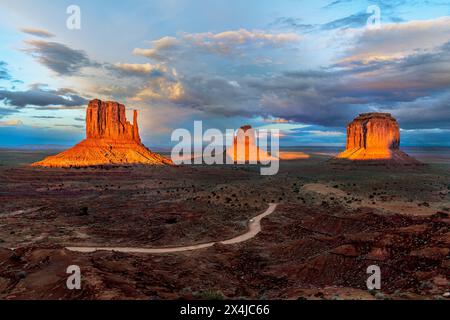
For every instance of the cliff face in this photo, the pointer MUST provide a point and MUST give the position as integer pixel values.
(107, 120)
(110, 140)
(373, 131)
(374, 136)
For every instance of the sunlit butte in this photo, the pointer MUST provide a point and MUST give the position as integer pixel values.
(374, 136)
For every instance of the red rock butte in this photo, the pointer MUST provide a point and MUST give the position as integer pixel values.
(375, 137)
(244, 148)
(110, 140)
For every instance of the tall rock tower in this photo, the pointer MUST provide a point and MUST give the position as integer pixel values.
(245, 149)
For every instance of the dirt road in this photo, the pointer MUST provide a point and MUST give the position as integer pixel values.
(254, 227)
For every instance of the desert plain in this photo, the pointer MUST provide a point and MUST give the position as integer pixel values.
(332, 222)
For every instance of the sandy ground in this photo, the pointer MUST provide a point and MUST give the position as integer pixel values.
(393, 206)
(292, 155)
(330, 225)
(254, 227)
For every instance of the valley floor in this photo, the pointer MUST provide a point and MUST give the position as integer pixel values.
(332, 222)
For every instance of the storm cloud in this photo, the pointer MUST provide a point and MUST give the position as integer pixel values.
(58, 57)
(331, 96)
(40, 97)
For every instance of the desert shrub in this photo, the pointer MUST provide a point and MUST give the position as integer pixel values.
(210, 295)
(84, 211)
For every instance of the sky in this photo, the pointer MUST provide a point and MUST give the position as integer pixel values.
(304, 67)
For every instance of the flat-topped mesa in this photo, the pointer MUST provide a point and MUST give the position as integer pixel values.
(110, 140)
(375, 132)
(107, 120)
(374, 136)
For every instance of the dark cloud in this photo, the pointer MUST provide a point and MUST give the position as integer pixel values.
(218, 96)
(312, 100)
(333, 96)
(40, 97)
(356, 20)
(336, 3)
(6, 112)
(425, 112)
(353, 21)
(69, 126)
(294, 23)
(59, 57)
(46, 117)
(4, 73)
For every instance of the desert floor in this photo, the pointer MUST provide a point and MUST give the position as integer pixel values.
(332, 222)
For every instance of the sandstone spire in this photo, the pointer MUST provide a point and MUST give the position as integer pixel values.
(245, 149)
(136, 136)
(110, 139)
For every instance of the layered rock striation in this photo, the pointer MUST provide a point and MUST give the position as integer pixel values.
(375, 137)
(110, 140)
(107, 120)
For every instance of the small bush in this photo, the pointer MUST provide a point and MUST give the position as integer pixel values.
(210, 295)
(84, 211)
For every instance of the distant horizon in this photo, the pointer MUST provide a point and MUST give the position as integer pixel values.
(168, 148)
(306, 69)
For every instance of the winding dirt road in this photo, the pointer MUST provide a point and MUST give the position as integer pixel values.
(254, 227)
